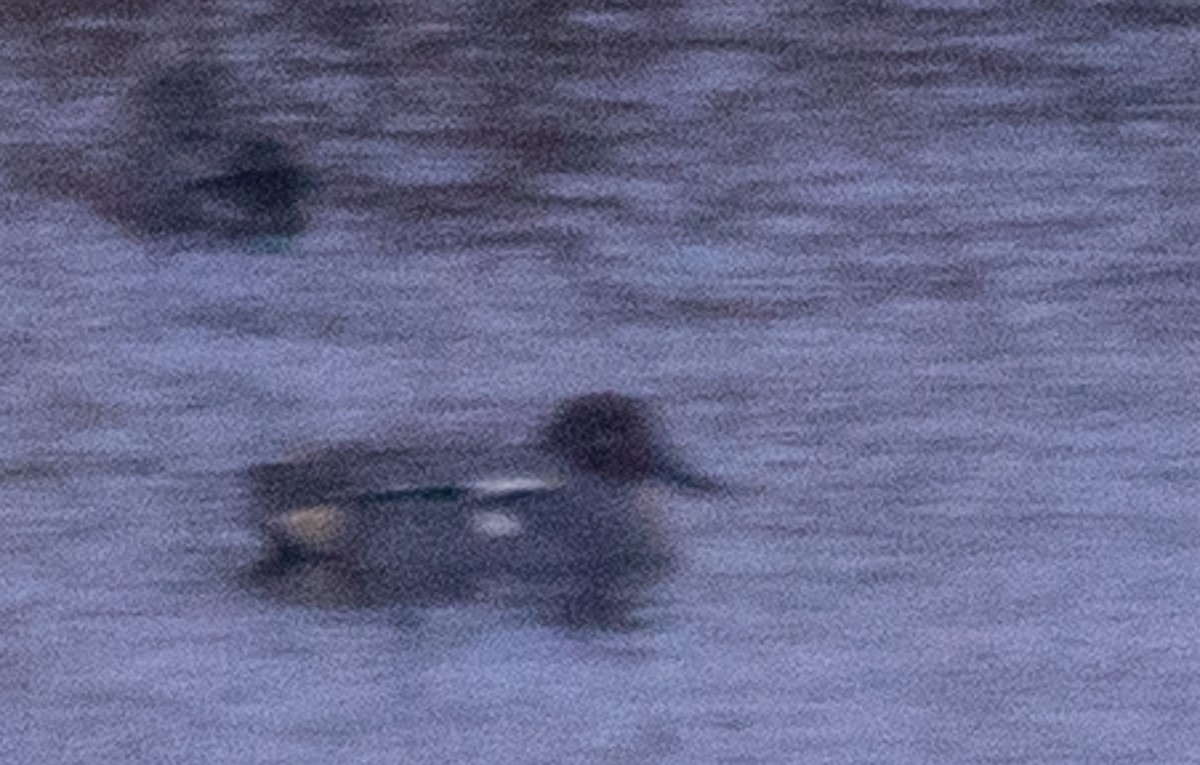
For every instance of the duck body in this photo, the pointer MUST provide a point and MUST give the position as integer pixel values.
(577, 504)
(510, 512)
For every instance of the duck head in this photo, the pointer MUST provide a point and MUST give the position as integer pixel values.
(617, 438)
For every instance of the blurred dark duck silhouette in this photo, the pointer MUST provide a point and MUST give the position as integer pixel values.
(199, 170)
(259, 194)
(183, 163)
(574, 509)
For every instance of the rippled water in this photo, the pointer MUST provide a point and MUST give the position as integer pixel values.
(916, 278)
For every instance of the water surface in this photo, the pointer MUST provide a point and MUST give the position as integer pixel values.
(916, 277)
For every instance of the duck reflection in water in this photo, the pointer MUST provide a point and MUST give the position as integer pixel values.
(567, 524)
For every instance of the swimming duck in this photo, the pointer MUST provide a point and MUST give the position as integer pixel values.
(576, 502)
(259, 193)
(196, 167)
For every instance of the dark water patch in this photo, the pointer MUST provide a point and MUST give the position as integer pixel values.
(1147, 278)
(626, 303)
(878, 282)
(39, 14)
(262, 318)
(1129, 14)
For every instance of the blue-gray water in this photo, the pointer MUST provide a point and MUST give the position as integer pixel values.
(917, 278)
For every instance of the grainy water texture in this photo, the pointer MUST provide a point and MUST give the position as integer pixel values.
(917, 279)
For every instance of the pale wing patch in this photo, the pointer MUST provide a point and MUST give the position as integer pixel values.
(319, 527)
(495, 525)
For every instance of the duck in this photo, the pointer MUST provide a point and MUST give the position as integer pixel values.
(576, 503)
(197, 168)
(259, 193)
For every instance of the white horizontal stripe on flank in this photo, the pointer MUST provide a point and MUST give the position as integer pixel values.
(493, 487)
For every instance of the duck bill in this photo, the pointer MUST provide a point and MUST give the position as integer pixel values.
(677, 473)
